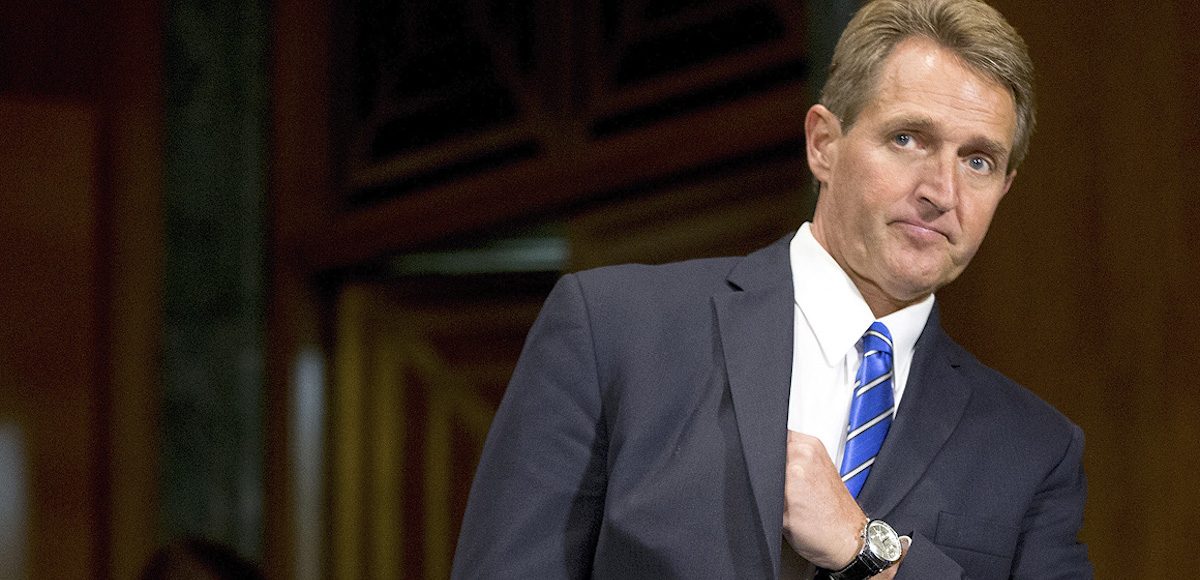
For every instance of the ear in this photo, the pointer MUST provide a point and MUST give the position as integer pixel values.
(1008, 181)
(821, 131)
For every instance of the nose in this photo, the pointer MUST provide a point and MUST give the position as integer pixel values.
(939, 188)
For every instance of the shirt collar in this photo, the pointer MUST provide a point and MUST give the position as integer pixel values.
(834, 308)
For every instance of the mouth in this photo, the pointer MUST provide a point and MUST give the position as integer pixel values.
(922, 231)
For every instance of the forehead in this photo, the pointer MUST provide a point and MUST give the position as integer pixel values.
(923, 79)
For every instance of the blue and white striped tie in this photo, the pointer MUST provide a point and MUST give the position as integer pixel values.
(871, 410)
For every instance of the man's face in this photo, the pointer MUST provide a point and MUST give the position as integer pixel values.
(908, 192)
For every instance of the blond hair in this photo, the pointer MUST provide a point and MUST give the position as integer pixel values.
(974, 31)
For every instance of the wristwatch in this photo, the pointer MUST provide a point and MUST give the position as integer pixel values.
(881, 550)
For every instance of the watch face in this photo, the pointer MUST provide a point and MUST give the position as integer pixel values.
(883, 541)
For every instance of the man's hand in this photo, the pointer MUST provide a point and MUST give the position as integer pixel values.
(821, 520)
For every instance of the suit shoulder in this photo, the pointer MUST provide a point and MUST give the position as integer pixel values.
(700, 277)
(716, 268)
(636, 300)
(1012, 403)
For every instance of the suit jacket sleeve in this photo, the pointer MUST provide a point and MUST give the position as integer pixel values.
(1048, 547)
(538, 494)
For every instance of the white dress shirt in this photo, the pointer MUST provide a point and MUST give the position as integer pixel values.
(831, 317)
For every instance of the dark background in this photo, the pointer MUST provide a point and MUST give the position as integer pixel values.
(266, 266)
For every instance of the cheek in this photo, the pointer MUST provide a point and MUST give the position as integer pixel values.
(978, 213)
(888, 181)
(975, 220)
(875, 185)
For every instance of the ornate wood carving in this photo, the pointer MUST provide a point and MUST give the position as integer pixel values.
(459, 115)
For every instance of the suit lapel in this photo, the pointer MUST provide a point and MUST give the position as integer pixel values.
(755, 327)
(755, 323)
(933, 405)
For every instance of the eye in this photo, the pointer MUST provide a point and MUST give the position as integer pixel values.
(903, 139)
(980, 164)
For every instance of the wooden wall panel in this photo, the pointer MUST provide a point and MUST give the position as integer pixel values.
(1084, 290)
(732, 212)
(1079, 291)
(100, 59)
(418, 374)
(48, 330)
(131, 262)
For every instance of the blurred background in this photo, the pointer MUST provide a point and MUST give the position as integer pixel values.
(265, 267)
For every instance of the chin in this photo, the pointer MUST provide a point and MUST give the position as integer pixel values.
(922, 274)
(915, 289)
(914, 295)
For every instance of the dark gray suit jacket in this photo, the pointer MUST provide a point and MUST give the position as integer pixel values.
(643, 435)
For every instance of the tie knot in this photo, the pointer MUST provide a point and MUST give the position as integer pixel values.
(877, 339)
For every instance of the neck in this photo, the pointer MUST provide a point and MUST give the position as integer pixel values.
(881, 302)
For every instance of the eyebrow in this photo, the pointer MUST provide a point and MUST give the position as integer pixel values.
(922, 124)
(919, 124)
(991, 147)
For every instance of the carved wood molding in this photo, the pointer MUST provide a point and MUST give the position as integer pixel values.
(455, 116)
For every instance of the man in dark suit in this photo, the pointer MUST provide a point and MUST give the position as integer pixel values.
(723, 418)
